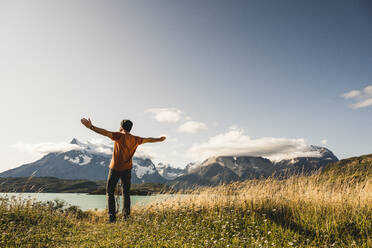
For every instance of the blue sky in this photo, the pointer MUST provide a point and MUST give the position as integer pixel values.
(253, 76)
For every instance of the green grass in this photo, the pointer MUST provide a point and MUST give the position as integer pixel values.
(228, 226)
(31, 224)
(296, 212)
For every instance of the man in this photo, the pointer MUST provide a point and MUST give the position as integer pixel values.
(121, 163)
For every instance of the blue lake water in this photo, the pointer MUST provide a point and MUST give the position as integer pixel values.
(85, 201)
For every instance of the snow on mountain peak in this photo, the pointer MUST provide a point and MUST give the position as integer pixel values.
(169, 172)
(143, 170)
(93, 146)
(81, 159)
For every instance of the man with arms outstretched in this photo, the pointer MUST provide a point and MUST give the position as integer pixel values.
(121, 163)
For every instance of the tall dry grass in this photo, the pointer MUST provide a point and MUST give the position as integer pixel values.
(315, 190)
(321, 208)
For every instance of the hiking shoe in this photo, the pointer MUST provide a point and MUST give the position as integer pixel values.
(112, 219)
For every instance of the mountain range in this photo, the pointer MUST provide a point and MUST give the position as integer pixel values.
(86, 161)
(225, 169)
(90, 161)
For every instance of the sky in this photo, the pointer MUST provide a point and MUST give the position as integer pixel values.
(265, 78)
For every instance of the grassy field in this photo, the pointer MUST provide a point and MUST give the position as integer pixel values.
(316, 211)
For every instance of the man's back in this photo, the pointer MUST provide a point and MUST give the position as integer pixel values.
(124, 148)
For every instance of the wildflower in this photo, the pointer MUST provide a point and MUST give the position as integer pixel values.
(290, 243)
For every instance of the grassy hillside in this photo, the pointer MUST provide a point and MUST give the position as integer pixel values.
(356, 168)
(296, 212)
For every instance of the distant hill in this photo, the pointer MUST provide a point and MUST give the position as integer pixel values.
(47, 185)
(354, 168)
(56, 185)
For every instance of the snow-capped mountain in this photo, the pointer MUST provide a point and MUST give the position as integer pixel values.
(225, 169)
(306, 164)
(190, 167)
(85, 160)
(169, 172)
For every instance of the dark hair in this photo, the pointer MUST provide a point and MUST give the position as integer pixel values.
(126, 125)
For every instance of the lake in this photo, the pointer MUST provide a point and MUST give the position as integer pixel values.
(85, 201)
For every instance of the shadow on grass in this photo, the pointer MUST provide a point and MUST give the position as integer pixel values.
(285, 217)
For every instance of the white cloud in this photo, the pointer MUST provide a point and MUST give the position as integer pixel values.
(169, 138)
(192, 127)
(174, 153)
(45, 147)
(235, 143)
(351, 94)
(166, 114)
(153, 153)
(178, 145)
(146, 152)
(234, 127)
(368, 90)
(324, 142)
(98, 145)
(93, 145)
(362, 104)
(362, 98)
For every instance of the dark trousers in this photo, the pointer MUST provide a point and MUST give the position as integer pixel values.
(112, 180)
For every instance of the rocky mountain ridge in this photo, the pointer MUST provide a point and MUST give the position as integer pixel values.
(85, 161)
(226, 169)
(90, 161)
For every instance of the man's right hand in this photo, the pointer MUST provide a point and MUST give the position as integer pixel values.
(162, 138)
(87, 123)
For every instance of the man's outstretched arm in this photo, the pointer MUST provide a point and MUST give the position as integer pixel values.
(152, 140)
(88, 124)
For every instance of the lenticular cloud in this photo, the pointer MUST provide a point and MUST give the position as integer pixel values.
(43, 148)
(235, 143)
